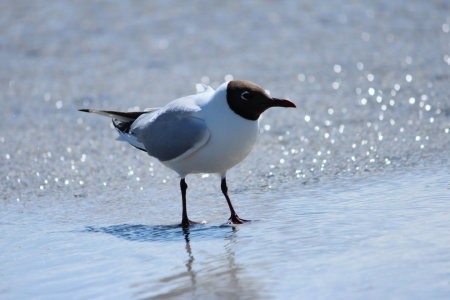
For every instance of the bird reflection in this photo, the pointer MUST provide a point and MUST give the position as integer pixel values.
(228, 249)
(211, 273)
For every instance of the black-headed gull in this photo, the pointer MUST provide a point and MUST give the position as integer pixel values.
(209, 132)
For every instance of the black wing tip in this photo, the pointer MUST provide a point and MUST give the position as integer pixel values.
(85, 110)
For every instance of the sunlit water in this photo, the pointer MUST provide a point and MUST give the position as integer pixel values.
(383, 237)
(349, 192)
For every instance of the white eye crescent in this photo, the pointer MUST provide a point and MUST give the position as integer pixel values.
(244, 95)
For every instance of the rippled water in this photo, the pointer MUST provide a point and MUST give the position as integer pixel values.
(386, 236)
(349, 191)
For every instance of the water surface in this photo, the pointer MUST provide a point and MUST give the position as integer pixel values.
(385, 236)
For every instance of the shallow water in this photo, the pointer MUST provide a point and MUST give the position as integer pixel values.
(382, 237)
(349, 191)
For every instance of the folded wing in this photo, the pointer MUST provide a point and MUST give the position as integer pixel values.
(171, 135)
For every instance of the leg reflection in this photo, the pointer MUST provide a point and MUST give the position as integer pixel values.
(190, 261)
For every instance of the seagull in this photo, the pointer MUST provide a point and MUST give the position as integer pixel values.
(208, 132)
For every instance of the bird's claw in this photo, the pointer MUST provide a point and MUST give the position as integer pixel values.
(236, 220)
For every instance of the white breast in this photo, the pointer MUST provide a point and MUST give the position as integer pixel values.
(232, 138)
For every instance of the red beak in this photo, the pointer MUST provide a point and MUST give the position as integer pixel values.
(282, 103)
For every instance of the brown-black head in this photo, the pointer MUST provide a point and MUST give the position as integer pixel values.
(249, 100)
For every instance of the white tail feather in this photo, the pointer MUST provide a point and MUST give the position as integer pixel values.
(131, 139)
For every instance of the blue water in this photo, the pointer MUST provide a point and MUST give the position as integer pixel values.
(385, 236)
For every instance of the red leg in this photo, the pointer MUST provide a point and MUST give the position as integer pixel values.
(234, 218)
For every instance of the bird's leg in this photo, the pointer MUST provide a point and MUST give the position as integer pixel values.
(185, 220)
(234, 218)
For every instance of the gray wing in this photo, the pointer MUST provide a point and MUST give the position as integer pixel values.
(173, 135)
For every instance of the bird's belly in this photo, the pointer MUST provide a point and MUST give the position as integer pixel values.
(228, 145)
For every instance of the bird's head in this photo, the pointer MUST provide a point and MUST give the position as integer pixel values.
(249, 100)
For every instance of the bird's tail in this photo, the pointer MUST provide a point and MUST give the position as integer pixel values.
(119, 115)
(121, 120)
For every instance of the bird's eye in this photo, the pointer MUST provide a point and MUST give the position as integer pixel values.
(246, 95)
